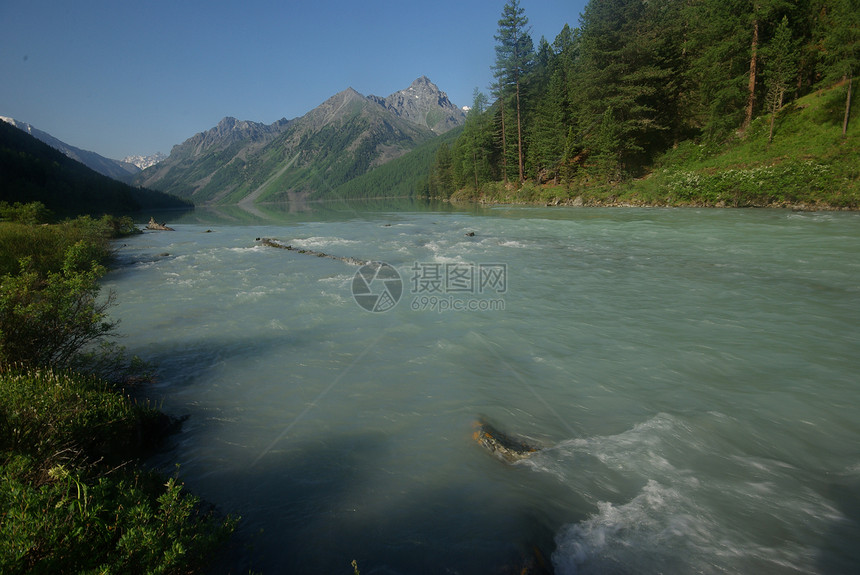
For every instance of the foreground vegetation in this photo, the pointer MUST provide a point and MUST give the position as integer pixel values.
(702, 102)
(72, 499)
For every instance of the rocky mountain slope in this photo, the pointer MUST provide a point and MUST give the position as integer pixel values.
(425, 104)
(115, 169)
(344, 137)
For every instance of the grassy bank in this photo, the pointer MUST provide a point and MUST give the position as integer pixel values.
(808, 165)
(72, 498)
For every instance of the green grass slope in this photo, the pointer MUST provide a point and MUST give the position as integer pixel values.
(808, 163)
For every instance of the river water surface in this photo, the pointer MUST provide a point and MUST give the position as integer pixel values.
(692, 375)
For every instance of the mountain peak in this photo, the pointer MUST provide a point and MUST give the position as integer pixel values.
(227, 123)
(425, 104)
(423, 81)
(342, 138)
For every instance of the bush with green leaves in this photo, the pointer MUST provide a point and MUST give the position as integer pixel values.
(51, 311)
(30, 213)
(48, 320)
(118, 523)
(70, 504)
(46, 245)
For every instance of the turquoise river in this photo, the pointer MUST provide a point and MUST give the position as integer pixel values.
(691, 376)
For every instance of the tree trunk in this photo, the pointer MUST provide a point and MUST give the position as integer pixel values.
(475, 163)
(753, 62)
(776, 106)
(847, 107)
(504, 145)
(519, 134)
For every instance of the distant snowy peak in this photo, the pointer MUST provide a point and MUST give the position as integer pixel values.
(8, 120)
(144, 162)
(20, 125)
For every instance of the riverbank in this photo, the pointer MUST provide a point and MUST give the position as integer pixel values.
(71, 436)
(615, 202)
(807, 166)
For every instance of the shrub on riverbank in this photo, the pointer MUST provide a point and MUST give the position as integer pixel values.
(50, 310)
(46, 245)
(71, 500)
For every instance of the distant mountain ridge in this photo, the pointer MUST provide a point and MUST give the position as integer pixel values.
(31, 170)
(341, 139)
(116, 169)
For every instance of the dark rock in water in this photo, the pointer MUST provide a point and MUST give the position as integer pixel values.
(153, 225)
(164, 255)
(471, 234)
(503, 446)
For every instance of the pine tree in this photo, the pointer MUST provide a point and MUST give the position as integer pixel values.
(624, 65)
(781, 67)
(753, 70)
(725, 40)
(763, 11)
(551, 118)
(719, 62)
(605, 147)
(546, 146)
(514, 53)
(840, 37)
(442, 177)
(498, 92)
(473, 148)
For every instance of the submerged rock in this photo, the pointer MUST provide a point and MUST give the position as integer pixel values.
(503, 446)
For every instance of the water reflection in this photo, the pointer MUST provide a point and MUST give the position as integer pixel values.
(306, 211)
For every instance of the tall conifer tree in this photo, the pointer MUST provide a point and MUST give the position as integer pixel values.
(780, 68)
(514, 54)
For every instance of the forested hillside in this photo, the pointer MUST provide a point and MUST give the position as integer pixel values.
(406, 176)
(603, 103)
(32, 171)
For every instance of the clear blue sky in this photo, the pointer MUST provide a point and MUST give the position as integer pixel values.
(126, 77)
